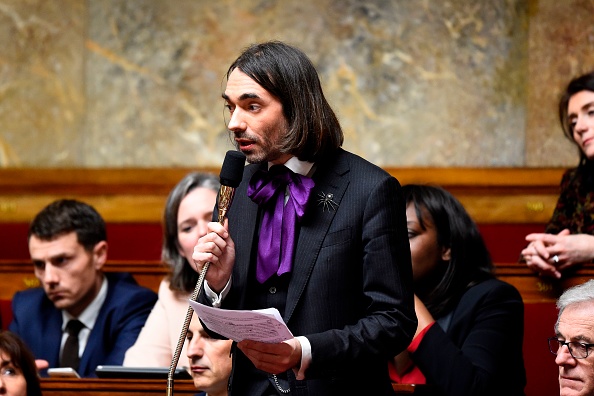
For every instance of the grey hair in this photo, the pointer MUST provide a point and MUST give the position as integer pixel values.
(575, 295)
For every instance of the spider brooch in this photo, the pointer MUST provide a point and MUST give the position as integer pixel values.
(326, 201)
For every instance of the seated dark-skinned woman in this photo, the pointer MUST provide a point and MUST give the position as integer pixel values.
(469, 337)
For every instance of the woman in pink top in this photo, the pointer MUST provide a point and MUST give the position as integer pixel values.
(188, 210)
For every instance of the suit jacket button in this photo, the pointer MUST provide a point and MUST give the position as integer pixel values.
(272, 290)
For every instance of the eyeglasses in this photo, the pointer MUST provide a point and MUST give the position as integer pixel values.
(578, 350)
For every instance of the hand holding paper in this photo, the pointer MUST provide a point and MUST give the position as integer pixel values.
(264, 325)
(273, 358)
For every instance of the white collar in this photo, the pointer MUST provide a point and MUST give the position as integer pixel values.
(88, 317)
(301, 167)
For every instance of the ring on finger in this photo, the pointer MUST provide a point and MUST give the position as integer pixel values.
(555, 259)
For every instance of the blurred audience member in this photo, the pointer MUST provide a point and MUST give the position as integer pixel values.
(188, 209)
(469, 337)
(574, 341)
(568, 239)
(18, 373)
(80, 317)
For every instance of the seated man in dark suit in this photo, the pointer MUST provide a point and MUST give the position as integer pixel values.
(80, 317)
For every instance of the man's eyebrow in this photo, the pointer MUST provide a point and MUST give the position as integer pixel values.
(243, 96)
(59, 256)
(584, 339)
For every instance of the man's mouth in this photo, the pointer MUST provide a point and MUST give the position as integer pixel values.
(244, 144)
(198, 369)
(55, 295)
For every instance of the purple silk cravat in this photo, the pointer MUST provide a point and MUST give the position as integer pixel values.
(276, 245)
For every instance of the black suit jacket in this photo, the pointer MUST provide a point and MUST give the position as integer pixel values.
(350, 291)
(480, 352)
(39, 323)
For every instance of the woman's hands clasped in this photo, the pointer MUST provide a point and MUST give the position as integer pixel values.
(550, 254)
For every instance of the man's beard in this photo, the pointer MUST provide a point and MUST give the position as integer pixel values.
(265, 151)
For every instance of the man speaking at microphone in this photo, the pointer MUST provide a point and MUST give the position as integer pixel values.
(314, 231)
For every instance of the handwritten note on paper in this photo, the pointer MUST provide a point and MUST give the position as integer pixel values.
(265, 325)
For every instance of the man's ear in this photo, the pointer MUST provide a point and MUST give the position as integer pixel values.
(100, 254)
(446, 254)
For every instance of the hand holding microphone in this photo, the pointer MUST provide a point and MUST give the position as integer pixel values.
(210, 247)
(216, 251)
(230, 177)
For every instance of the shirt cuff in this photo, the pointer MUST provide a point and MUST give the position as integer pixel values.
(216, 299)
(305, 357)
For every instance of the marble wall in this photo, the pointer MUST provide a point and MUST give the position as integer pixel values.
(137, 83)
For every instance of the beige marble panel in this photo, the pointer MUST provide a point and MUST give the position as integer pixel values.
(42, 101)
(431, 83)
(414, 83)
(116, 83)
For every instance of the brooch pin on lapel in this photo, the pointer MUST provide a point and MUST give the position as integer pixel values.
(325, 200)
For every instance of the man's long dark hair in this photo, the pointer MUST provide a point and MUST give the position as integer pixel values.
(470, 262)
(288, 74)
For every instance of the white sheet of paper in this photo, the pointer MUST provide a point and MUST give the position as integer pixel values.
(265, 325)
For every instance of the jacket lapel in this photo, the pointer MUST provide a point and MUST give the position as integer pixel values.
(53, 340)
(330, 178)
(244, 213)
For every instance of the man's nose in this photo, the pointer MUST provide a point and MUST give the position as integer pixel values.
(236, 122)
(50, 274)
(195, 348)
(564, 356)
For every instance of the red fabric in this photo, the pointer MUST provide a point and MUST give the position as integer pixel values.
(5, 314)
(142, 241)
(417, 340)
(127, 241)
(413, 374)
(506, 241)
(542, 374)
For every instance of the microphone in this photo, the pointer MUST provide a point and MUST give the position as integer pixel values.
(230, 177)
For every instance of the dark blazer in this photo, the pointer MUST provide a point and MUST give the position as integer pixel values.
(350, 291)
(480, 353)
(127, 305)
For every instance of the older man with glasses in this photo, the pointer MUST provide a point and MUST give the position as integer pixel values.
(574, 342)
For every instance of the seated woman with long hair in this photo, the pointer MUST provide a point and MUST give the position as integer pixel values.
(188, 210)
(469, 337)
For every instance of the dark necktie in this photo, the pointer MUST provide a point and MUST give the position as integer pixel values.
(70, 356)
(276, 245)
